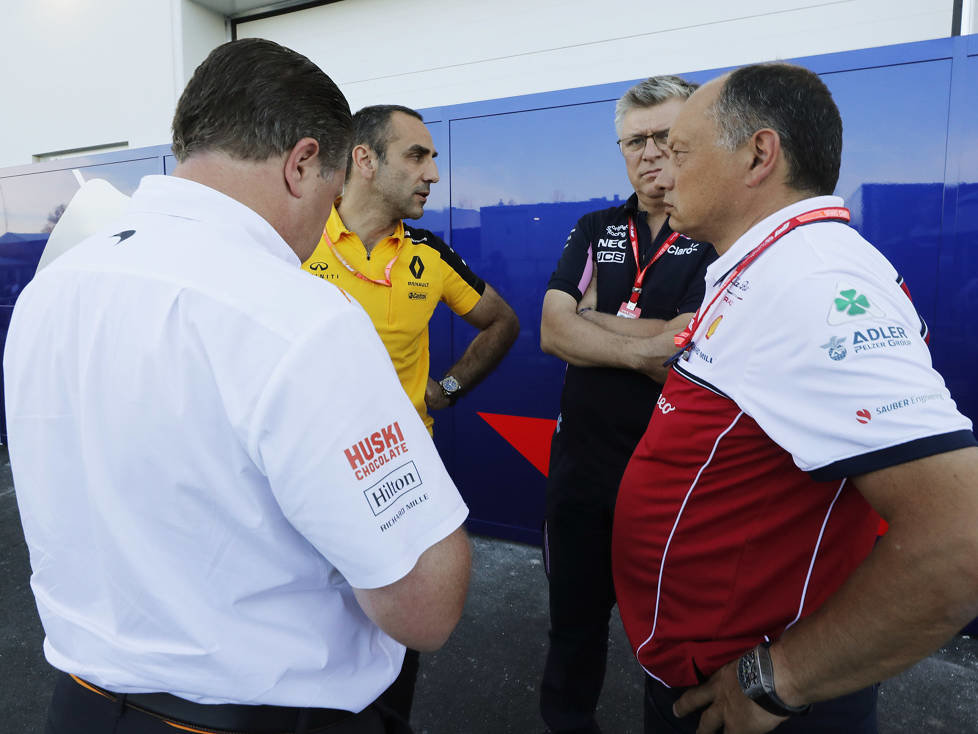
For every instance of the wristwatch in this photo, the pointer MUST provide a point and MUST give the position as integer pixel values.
(451, 389)
(755, 672)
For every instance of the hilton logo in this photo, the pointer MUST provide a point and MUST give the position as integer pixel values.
(382, 495)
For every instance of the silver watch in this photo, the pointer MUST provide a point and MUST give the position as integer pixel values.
(451, 389)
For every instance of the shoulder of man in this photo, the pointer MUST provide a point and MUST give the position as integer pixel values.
(417, 237)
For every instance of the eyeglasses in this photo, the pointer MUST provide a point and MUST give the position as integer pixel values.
(635, 144)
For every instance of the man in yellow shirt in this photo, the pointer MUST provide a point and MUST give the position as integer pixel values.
(399, 274)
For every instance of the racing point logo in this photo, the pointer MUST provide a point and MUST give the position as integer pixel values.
(863, 416)
(416, 267)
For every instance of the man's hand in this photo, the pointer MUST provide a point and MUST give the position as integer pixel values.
(727, 709)
(434, 396)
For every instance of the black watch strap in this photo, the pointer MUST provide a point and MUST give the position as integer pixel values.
(755, 672)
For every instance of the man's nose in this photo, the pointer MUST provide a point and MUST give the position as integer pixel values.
(431, 172)
(665, 180)
(651, 150)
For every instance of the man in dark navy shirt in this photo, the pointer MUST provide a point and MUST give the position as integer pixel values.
(625, 284)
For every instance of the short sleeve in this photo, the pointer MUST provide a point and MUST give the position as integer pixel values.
(461, 288)
(347, 457)
(575, 266)
(848, 387)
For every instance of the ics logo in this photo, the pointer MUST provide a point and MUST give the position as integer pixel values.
(863, 416)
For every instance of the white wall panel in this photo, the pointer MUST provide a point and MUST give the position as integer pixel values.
(429, 53)
(81, 73)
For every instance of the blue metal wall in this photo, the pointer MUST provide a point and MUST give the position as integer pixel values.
(516, 174)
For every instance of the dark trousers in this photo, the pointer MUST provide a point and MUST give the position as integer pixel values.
(852, 714)
(577, 557)
(400, 696)
(77, 710)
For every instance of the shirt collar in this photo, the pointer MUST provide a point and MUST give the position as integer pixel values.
(756, 234)
(336, 230)
(181, 197)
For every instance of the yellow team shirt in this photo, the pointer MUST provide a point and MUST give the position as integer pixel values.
(423, 271)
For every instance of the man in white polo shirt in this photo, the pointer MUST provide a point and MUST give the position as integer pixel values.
(207, 553)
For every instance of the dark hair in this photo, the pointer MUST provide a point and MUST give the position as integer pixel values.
(254, 99)
(797, 105)
(371, 126)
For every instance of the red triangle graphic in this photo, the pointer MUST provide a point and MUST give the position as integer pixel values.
(530, 436)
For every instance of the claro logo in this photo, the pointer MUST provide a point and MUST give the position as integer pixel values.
(664, 405)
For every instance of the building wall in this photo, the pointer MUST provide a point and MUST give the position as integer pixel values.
(84, 73)
(78, 74)
(429, 53)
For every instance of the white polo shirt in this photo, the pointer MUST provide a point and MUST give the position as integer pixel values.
(209, 447)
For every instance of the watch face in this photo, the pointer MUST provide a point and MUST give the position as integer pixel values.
(747, 673)
(450, 384)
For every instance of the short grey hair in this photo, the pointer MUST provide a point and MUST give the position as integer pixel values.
(654, 90)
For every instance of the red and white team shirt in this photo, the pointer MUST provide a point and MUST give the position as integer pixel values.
(735, 517)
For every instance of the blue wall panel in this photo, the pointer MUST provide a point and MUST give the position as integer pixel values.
(516, 173)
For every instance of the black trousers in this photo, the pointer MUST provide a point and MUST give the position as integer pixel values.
(851, 714)
(399, 698)
(77, 710)
(577, 558)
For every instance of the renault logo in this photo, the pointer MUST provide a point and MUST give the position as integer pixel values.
(417, 267)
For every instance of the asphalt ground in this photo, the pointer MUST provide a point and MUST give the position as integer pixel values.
(485, 680)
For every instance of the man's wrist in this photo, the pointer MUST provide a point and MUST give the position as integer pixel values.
(755, 673)
(451, 388)
(786, 687)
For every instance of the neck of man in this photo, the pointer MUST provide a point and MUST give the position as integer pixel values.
(655, 212)
(759, 207)
(362, 215)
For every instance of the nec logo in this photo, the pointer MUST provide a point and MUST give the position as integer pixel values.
(605, 242)
(318, 266)
(611, 257)
(664, 405)
(416, 267)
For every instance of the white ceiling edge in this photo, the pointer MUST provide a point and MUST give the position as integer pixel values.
(240, 9)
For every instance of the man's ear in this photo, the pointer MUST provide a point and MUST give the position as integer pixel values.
(301, 165)
(364, 161)
(764, 149)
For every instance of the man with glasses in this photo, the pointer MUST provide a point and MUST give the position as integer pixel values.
(624, 286)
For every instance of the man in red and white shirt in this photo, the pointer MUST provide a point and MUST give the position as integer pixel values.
(802, 404)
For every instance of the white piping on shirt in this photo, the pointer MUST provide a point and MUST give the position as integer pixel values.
(818, 543)
(662, 563)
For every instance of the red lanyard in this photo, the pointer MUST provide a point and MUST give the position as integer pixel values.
(376, 281)
(640, 272)
(684, 339)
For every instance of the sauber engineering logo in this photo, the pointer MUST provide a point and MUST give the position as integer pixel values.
(863, 416)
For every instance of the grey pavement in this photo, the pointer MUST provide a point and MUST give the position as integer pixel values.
(485, 680)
